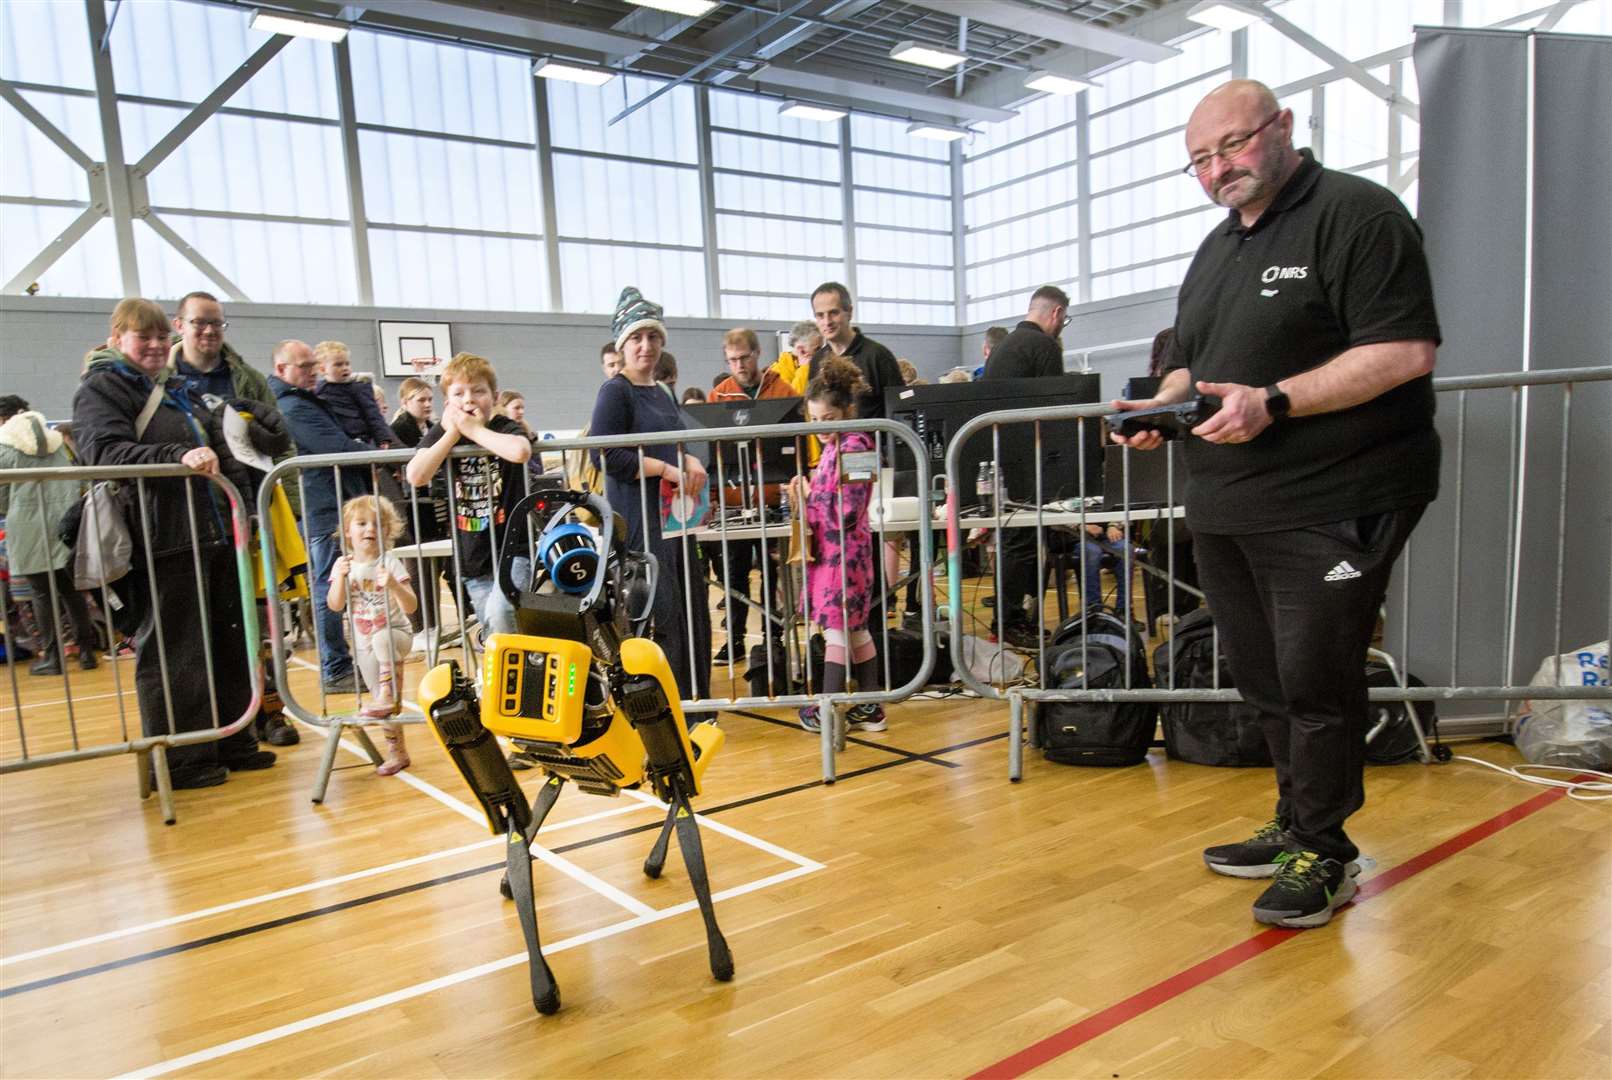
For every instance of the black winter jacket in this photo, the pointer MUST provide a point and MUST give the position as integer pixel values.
(105, 406)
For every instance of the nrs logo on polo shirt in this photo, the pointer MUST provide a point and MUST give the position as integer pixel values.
(1284, 273)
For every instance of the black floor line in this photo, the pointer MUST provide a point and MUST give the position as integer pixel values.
(896, 750)
(446, 879)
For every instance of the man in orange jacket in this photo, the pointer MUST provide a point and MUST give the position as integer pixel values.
(745, 382)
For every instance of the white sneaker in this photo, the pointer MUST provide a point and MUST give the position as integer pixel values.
(424, 642)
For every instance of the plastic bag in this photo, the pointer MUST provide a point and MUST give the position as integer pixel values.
(987, 662)
(1571, 733)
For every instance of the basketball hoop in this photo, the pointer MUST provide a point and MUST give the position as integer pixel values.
(426, 367)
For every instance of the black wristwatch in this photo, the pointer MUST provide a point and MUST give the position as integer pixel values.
(1276, 402)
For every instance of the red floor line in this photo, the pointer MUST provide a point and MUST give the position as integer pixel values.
(1099, 1023)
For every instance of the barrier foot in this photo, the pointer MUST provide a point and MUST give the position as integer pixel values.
(827, 728)
(1015, 737)
(165, 784)
(142, 772)
(365, 744)
(327, 761)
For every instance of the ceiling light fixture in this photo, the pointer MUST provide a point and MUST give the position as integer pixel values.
(933, 56)
(1062, 85)
(298, 26)
(802, 110)
(694, 9)
(546, 68)
(1223, 15)
(921, 130)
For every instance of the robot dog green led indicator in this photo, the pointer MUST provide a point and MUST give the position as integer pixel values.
(593, 701)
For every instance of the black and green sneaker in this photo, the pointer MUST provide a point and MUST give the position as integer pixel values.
(1306, 891)
(1256, 857)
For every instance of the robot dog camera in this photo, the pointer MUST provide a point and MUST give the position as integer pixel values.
(570, 556)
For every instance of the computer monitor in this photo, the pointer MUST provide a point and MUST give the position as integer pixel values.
(778, 456)
(936, 413)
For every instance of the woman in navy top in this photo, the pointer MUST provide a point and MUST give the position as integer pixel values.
(634, 403)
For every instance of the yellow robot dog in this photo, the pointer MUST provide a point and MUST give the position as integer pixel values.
(580, 690)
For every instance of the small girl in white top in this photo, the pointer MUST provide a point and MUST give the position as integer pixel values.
(377, 587)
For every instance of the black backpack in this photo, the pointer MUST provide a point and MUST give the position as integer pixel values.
(1092, 651)
(1226, 733)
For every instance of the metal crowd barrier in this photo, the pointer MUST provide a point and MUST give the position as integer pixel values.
(752, 518)
(1449, 511)
(36, 747)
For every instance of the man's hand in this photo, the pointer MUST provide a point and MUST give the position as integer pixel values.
(1242, 414)
(201, 459)
(470, 419)
(1142, 440)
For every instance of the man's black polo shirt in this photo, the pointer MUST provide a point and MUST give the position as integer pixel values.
(1029, 352)
(1335, 262)
(879, 371)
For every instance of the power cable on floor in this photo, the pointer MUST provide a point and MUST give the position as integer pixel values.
(1583, 790)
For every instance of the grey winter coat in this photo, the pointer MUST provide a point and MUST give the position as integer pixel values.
(32, 508)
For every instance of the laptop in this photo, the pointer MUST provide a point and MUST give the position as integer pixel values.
(1149, 479)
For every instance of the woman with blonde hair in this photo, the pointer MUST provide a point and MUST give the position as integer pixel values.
(413, 416)
(512, 403)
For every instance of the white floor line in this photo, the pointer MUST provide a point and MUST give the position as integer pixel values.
(735, 834)
(63, 701)
(591, 881)
(236, 905)
(297, 890)
(564, 866)
(407, 993)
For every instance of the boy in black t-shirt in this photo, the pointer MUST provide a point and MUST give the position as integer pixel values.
(482, 490)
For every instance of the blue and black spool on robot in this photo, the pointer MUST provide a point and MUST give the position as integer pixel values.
(581, 690)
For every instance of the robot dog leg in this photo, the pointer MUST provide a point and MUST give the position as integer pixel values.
(675, 761)
(454, 716)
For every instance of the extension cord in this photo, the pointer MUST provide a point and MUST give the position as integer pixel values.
(1582, 790)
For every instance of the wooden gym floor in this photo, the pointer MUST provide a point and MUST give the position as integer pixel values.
(920, 918)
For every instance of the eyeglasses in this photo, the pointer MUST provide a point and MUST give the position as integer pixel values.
(200, 325)
(1228, 149)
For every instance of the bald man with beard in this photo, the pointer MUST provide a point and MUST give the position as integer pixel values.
(1309, 313)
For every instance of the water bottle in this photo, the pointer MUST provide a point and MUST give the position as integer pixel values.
(985, 486)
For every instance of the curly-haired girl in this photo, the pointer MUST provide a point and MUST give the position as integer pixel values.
(378, 589)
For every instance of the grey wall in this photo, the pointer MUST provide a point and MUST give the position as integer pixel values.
(553, 359)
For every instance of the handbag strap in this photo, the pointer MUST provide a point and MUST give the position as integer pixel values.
(147, 411)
